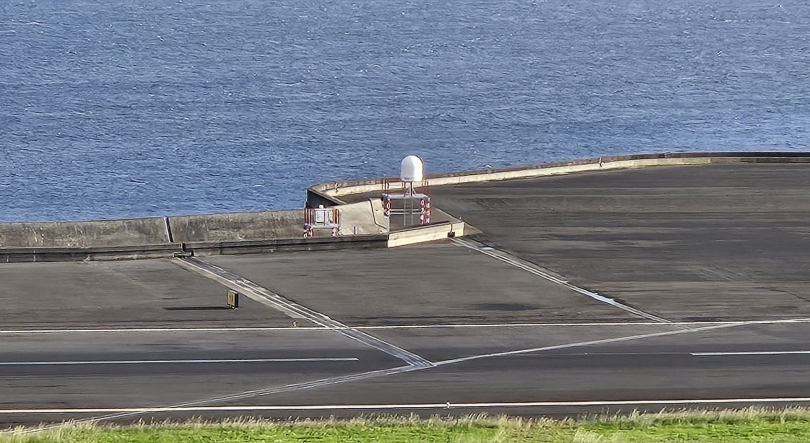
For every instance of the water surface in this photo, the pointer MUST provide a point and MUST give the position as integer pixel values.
(125, 108)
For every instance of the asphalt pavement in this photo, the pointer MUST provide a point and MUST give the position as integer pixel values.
(605, 292)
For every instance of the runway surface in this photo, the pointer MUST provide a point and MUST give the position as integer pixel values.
(560, 317)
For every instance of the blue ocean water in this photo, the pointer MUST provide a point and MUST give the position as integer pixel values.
(124, 108)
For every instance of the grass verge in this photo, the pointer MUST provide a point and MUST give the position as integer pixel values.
(747, 425)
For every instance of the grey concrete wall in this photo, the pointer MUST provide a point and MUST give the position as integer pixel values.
(237, 226)
(104, 233)
(199, 234)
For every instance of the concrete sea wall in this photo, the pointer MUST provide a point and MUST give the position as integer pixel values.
(363, 224)
(105, 233)
(236, 226)
(331, 192)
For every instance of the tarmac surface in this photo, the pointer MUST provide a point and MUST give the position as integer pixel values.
(687, 243)
(644, 289)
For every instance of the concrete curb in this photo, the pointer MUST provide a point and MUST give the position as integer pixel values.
(422, 234)
(57, 254)
(288, 245)
(29, 255)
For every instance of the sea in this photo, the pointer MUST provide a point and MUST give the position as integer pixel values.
(132, 108)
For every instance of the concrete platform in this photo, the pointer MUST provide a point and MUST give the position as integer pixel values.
(427, 284)
(718, 252)
(686, 243)
(119, 294)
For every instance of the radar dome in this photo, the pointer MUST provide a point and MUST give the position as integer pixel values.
(411, 169)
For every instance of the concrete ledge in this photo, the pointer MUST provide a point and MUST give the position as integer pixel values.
(427, 233)
(337, 189)
(28, 255)
(234, 233)
(287, 245)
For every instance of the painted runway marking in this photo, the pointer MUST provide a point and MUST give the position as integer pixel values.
(151, 362)
(294, 310)
(450, 405)
(629, 323)
(155, 330)
(394, 327)
(743, 353)
(585, 343)
(116, 414)
(113, 414)
(531, 268)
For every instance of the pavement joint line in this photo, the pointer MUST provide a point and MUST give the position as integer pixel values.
(391, 327)
(269, 298)
(508, 258)
(150, 362)
(446, 405)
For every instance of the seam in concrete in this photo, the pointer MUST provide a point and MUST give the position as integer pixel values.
(294, 310)
(534, 269)
(169, 234)
(374, 218)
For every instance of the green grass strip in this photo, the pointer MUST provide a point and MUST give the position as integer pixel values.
(749, 425)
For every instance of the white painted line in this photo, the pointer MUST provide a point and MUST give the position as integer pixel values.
(394, 327)
(386, 372)
(118, 413)
(151, 362)
(154, 330)
(627, 323)
(585, 343)
(295, 310)
(732, 354)
(520, 325)
(448, 405)
(121, 413)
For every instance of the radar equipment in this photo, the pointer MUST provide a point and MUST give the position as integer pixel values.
(407, 202)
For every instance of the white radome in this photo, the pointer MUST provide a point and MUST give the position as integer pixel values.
(411, 169)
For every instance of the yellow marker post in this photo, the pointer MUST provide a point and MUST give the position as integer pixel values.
(233, 299)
